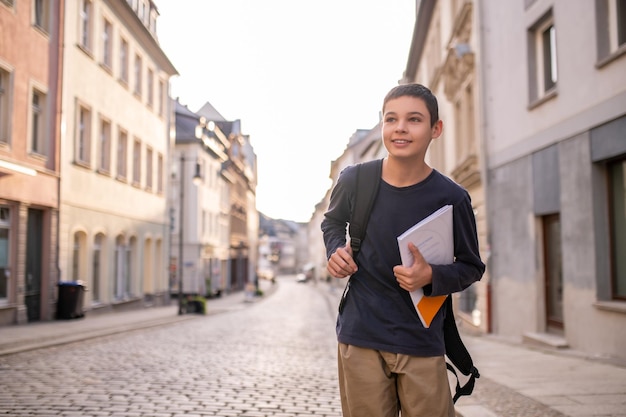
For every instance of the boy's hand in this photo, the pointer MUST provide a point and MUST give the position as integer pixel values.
(415, 276)
(341, 264)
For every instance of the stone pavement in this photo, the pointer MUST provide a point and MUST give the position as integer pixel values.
(516, 380)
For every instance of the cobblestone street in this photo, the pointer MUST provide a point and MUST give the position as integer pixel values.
(269, 356)
(275, 357)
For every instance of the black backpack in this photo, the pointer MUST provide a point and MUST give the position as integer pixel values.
(367, 180)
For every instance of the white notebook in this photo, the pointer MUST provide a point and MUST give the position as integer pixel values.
(434, 237)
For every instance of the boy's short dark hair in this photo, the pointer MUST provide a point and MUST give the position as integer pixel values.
(417, 91)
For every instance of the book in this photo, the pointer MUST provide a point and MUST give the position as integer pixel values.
(434, 238)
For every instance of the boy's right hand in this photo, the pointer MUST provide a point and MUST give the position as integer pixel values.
(341, 264)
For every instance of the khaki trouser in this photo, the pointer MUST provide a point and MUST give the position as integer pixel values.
(375, 384)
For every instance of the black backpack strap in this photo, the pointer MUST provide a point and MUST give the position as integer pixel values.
(365, 190)
(367, 180)
(457, 354)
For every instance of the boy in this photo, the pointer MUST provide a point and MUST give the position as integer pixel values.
(387, 359)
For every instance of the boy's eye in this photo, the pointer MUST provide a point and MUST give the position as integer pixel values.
(415, 119)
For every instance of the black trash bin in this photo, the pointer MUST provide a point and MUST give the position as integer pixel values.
(70, 301)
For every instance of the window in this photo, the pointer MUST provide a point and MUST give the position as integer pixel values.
(124, 61)
(138, 79)
(96, 267)
(136, 162)
(38, 123)
(464, 125)
(149, 168)
(5, 78)
(104, 159)
(122, 154)
(542, 58)
(85, 24)
(620, 22)
(548, 62)
(124, 262)
(107, 44)
(5, 228)
(41, 18)
(153, 21)
(610, 30)
(78, 264)
(161, 98)
(617, 179)
(122, 269)
(150, 88)
(160, 174)
(141, 11)
(83, 140)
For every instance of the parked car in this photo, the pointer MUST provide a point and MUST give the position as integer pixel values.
(267, 273)
(307, 273)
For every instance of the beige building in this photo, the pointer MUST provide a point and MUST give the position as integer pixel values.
(114, 224)
(444, 56)
(29, 158)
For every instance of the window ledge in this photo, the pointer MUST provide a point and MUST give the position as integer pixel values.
(82, 164)
(611, 57)
(614, 306)
(549, 95)
(85, 50)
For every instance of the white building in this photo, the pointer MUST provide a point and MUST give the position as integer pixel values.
(201, 193)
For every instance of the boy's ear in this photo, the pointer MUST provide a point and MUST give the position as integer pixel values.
(437, 129)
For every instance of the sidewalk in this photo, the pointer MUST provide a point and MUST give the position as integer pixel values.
(564, 381)
(19, 338)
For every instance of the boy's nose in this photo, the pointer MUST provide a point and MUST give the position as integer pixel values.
(401, 127)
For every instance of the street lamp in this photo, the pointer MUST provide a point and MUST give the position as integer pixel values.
(197, 180)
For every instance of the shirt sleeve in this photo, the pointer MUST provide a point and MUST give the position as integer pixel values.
(337, 217)
(467, 267)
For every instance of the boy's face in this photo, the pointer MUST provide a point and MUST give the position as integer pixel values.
(406, 127)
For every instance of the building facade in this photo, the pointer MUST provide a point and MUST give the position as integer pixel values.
(535, 130)
(113, 233)
(237, 202)
(555, 143)
(30, 65)
(199, 205)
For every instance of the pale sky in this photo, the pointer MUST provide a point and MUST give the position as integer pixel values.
(302, 76)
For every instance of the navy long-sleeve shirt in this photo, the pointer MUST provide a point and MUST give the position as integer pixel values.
(377, 313)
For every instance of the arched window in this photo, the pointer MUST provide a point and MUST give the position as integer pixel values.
(131, 265)
(79, 261)
(148, 268)
(121, 271)
(97, 265)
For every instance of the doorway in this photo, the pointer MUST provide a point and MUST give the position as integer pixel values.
(553, 271)
(34, 247)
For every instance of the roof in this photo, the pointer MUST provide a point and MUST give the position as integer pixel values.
(210, 113)
(186, 122)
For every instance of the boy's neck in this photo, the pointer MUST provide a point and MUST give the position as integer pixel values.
(403, 173)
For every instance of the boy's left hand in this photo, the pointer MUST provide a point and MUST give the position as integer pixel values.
(417, 275)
